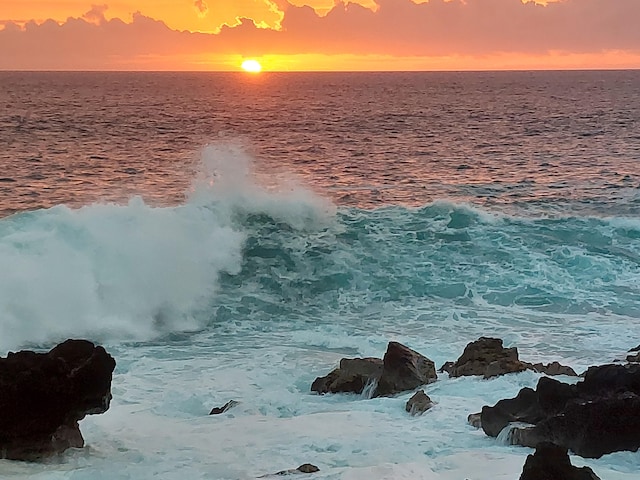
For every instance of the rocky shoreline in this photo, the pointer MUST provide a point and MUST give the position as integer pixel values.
(45, 395)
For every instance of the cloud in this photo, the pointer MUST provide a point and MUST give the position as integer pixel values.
(395, 28)
(96, 14)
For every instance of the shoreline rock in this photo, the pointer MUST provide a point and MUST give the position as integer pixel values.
(45, 395)
(551, 461)
(599, 415)
(400, 370)
(487, 357)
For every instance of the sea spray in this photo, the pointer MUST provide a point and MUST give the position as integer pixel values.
(134, 271)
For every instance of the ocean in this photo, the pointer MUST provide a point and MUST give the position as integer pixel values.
(233, 236)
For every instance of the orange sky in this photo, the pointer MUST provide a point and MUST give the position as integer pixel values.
(318, 34)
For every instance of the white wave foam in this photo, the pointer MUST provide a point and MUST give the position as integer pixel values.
(228, 179)
(134, 271)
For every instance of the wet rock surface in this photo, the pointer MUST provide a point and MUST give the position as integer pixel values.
(551, 462)
(418, 403)
(44, 395)
(596, 416)
(400, 370)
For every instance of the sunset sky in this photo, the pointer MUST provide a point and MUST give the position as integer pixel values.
(319, 34)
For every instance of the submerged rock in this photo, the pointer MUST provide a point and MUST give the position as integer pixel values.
(304, 468)
(401, 369)
(418, 403)
(551, 462)
(224, 408)
(596, 416)
(44, 395)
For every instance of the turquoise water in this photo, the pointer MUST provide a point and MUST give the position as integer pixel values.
(243, 266)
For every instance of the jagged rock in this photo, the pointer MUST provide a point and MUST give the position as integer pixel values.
(634, 358)
(352, 376)
(404, 369)
(596, 416)
(487, 357)
(475, 420)
(635, 349)
(551, 462)
(224, 408)
(401, 369)
(447, 367)
(418, 403)
(553, 368)
(44, 395)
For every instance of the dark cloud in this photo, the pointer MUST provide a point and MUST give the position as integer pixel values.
(397, 28)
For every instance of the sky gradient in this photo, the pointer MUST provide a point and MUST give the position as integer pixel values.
(319, 34)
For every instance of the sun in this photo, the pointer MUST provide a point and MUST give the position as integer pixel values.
(252, 66)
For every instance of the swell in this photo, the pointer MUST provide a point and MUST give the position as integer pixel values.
(133, 272)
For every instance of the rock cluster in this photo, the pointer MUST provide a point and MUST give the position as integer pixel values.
(596, 416)
(400, 370)
(487, 357)
(44, 395)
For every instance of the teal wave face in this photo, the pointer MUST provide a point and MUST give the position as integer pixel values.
(440, 253)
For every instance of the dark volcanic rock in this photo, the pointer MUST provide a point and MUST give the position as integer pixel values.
(44, 395)
(418, 403)
(475, 420)
(597, 416)
(304, 468)
(553, 368)
(590, 428)
(551, 462)
(404, 369)
(352, 376)
(633, 358)
(401, 369)
(224, 408)
(487, 357)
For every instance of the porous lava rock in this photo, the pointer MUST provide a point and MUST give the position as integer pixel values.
(599, 415)
(44, 395)
(400, 370)
(551, 462)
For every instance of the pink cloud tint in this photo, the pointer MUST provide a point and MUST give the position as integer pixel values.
(397, 28)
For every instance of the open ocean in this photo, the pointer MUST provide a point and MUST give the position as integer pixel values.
(229, 236)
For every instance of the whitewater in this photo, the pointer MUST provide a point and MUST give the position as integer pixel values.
(228, 237)
(249, 291)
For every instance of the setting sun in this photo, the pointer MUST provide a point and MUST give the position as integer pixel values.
(252, 66)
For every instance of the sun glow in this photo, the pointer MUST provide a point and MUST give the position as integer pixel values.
(252, 66)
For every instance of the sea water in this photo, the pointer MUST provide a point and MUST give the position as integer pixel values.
(232, 237)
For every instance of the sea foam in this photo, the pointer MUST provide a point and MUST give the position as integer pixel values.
(134, 271)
